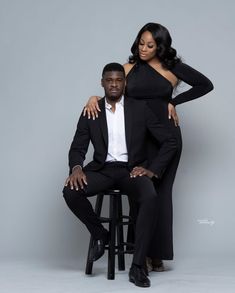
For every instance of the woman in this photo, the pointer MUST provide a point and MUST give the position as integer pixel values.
(152, 73)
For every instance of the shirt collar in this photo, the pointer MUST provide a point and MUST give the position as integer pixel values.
(108, 106)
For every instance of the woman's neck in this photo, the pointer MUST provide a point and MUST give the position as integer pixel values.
(155, 62)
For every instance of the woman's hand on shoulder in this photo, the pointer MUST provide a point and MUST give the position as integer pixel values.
(172, 114)
(92, 108)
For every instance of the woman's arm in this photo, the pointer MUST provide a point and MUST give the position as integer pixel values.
(200, 84)
(92, 107)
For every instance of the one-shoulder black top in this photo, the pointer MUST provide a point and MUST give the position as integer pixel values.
(144, 82)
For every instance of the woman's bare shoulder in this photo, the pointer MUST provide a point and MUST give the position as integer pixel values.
(128, 67)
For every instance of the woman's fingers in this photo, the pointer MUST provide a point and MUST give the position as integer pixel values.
(94, 112)
(91, 111)
(173, 114)
(176, 119)
(98, 107)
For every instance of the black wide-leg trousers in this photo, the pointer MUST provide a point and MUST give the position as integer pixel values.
(140, 189)
(161, 246)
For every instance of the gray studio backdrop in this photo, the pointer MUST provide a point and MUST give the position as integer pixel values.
(52, 54)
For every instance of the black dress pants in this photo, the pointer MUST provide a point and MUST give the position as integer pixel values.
(140, 189)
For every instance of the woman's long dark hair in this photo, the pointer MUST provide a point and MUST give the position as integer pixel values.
(165, 53)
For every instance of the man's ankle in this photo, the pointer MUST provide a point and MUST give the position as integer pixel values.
(137, 265)
(104, 236)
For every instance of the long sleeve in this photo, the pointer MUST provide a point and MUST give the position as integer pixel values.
(79, 146)
(200, 84)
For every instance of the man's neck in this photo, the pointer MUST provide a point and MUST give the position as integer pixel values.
(113, 103)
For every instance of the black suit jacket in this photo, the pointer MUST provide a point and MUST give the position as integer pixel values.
(139, 121)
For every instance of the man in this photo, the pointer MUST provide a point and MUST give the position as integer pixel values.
(118, 136)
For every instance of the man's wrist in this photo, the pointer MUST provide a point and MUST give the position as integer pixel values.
(152, 175)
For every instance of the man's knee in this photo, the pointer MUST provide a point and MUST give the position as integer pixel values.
(148, 191)
(150, 197)
(66, 191)
(69, 193)
(150, 203)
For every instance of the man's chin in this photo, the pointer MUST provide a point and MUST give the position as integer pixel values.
(114, 98)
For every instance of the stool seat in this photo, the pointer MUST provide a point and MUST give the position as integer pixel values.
(116, 221)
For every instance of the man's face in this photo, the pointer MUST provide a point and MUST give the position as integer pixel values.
(113, 83)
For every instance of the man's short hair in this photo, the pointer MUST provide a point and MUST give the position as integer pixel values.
(113, 67)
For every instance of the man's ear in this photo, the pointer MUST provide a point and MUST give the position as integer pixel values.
(102, 84)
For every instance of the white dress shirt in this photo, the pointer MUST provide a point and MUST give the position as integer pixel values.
(117, 149)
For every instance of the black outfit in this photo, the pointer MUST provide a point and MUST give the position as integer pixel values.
(145, 83)
(139, 120)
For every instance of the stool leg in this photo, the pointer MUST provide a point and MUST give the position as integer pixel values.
(89, 264)
(98, 206)
(112, 230)
(120, 238)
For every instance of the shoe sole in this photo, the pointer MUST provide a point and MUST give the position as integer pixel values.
(95, 259)
(159, 270)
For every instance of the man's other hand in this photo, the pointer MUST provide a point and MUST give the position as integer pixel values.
(141, 171)
(77, 180)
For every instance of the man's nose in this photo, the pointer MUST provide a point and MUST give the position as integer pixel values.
(113, 83)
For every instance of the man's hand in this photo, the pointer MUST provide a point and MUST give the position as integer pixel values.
(140, 171)
(77, 179)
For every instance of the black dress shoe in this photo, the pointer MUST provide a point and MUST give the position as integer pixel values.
(145, 268)
(138, 276)
(98, 248)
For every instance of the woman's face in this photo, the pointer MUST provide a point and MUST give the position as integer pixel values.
(147, 47)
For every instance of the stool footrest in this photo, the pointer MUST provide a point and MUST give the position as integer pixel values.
(118, 251)
(123, 223)
(104, 220)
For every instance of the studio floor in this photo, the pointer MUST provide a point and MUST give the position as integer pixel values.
(182, 276)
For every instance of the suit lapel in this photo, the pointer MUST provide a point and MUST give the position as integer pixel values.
(103, 122)
(128, 121)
